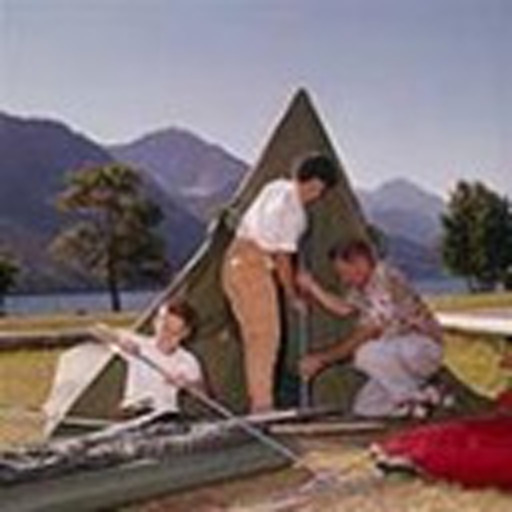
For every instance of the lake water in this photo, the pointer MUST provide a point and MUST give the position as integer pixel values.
(442, 286)
(75, 302)
(136, 300)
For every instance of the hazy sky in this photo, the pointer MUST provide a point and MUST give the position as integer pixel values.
(415, 88)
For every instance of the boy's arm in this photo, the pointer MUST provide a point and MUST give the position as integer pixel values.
(189, 375)
(181, 380)
(115, 337)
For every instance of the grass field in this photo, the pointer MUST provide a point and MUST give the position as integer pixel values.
(26, 376)
(467, 302)
(476, 359)
(62, 322)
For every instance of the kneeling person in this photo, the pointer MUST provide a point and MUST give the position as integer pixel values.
(397, 342)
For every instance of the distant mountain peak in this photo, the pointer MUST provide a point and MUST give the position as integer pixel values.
(402, 208)
(404, 195)
(406, 187)
(35, 123)
(170, 137)
(188, 167)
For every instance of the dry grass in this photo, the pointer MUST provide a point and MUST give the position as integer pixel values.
(62, 322)
(360, 490)
(465, 302)
(474, 359)
(26, 376)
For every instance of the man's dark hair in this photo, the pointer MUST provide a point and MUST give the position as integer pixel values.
(318, 167)
(350, 251)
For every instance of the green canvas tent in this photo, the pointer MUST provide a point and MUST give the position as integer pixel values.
(339, 218)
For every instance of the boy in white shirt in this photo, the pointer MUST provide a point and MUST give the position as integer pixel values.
(260, 259)
(145, 389)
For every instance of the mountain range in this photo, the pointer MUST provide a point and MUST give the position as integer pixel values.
(186, 175)
(35, 157)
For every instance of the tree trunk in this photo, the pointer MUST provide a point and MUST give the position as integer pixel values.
(115, 297)
(112, 283)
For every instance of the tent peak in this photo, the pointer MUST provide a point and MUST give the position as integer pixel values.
(302, 94)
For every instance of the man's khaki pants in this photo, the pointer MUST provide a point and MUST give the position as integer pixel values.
(249, 285)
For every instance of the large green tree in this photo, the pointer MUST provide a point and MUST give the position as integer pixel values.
(477, 235)
(9, 269)
(113, 235)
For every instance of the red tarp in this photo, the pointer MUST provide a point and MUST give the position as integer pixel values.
(473, 452)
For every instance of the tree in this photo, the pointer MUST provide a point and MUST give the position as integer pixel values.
(477, 235)
(9, 269)
(114, 234)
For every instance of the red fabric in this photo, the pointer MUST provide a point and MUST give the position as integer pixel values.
(475, 452)
(504, 400)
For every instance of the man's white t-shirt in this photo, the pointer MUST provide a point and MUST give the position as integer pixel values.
(276, 220)
(145, 385)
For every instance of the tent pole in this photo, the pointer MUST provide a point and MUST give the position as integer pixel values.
(179, 278)
(303, 336)
(303, 340)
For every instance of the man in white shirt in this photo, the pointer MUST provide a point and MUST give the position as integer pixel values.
(260, 258)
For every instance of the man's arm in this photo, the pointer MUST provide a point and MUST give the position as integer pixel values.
(330, 301)
(313, 363)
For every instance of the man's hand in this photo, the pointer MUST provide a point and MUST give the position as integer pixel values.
(306, 282)
(310, 365)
